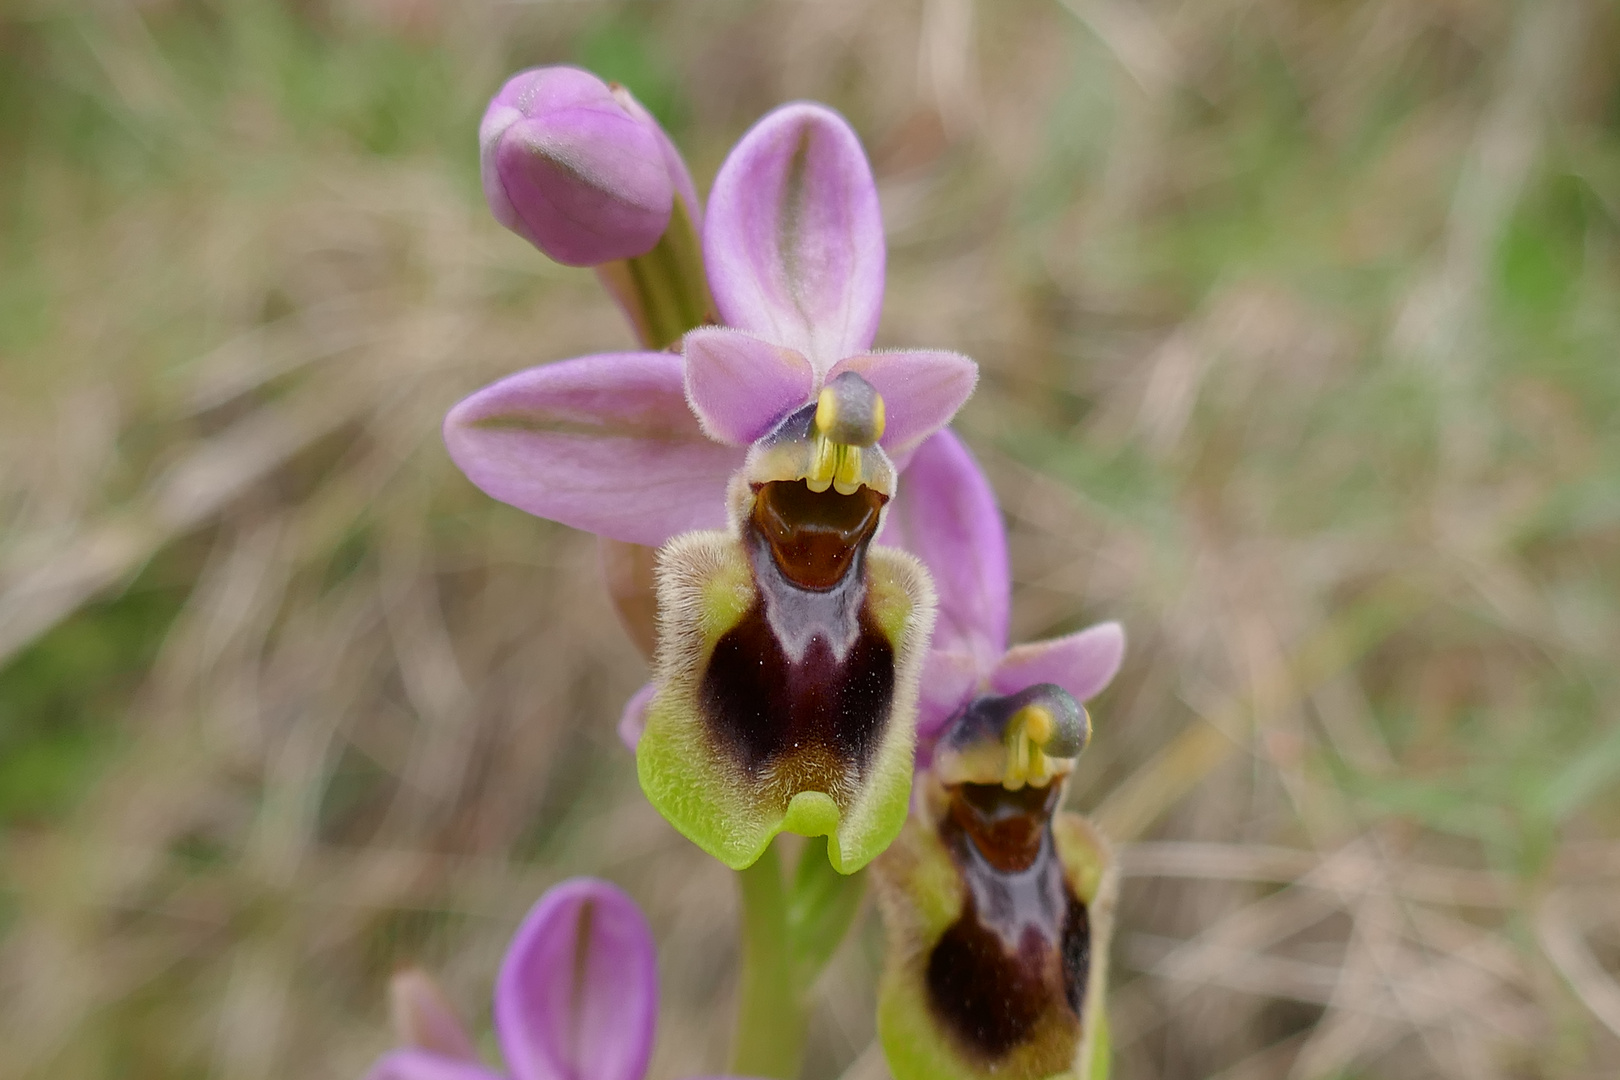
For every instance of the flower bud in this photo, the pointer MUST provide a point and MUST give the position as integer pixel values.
(575, 167)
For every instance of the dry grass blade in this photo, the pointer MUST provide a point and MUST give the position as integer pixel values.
(35, 597)
(1560, 936)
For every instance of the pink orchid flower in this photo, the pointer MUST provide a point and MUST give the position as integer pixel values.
(998, 904)
(576, 997)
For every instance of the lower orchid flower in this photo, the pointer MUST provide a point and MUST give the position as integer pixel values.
(998, 906)
(576, 998)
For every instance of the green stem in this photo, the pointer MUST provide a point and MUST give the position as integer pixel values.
(771, 1021)
(664, 293)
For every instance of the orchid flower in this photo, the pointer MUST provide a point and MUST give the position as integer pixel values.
(998, 906)
(576, 998)
(949, 519)
(789, 647)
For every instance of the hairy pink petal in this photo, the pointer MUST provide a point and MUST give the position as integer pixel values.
(945, 513)
(1081, 663)
(741, 387)
(793, 241)
(602, 443)
(921, 389)
(577, 996)
(951, 678)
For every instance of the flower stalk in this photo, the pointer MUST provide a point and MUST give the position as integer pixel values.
(663, 292)
(789, 933)
(771, 1021)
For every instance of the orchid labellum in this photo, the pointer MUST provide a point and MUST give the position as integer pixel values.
(998, 904)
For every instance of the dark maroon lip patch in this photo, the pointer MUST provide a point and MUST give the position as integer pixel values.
(1016, 960)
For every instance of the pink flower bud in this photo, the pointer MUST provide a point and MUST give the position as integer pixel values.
(575, 167)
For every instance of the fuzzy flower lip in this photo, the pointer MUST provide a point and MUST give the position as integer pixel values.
(577, 167)
(639, 446)
(576, 997)
(947, 516)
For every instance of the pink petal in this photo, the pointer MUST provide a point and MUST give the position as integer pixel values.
(794, 238)
(945, 513)
(577, 996)
(921, 391)
(950, 680)
(741, 387)
(634, 719)
(602, 443)
(426, 1065)
(1081, 663)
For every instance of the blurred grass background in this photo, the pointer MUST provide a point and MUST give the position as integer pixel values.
(1299, 327)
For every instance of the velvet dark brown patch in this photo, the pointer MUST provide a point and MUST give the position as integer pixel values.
(990, 998)
(761, 705)
(1076, 953)
(1022, 945)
